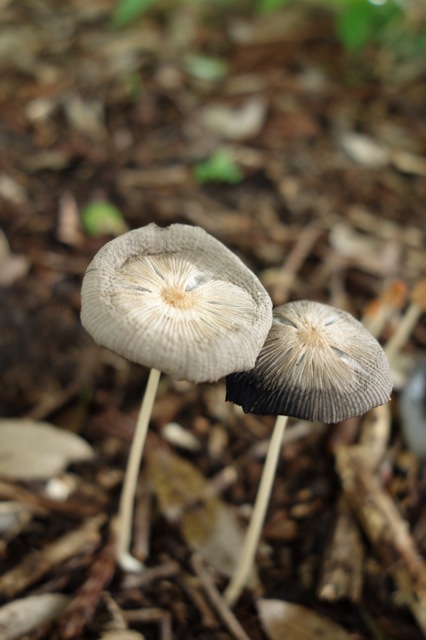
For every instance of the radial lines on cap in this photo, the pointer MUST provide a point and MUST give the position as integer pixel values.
(180, 297)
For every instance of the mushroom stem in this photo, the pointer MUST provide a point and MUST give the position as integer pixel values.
(125, 512)
(251, 541)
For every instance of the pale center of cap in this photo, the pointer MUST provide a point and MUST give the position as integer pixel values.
(311, 336)
(177, 298)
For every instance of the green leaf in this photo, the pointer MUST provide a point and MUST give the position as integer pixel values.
(356, 24)
(205, 67)
(267, 6)
(127, 11)
(219, 168)
(103, 218)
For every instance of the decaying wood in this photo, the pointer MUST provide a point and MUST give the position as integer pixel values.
(192, 588)
(153, 615)
(36, 564)
(387, 530)
(342, 575)
(40, 505)
(374, 436)
(217, 600)
(167, 570)
(342, 571)
(83, 606)
(286, 276)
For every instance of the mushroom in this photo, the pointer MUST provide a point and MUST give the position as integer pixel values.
(178, 301)
(318, 363)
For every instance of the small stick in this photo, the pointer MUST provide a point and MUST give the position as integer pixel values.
(82, 608)
(342, 575)
(41, 506)
(380, 310)
(152, 615)
(191, 585)
(39, 562)
(168, 569)
(375, 432)
(217, 600)
(294, 261)
(409, 320)
(386, 529)
(342, 567)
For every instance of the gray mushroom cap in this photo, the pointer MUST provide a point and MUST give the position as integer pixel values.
(317, 363)
(176, 299)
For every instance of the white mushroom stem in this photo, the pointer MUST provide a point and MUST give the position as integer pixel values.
(125, 513)
(251, 541)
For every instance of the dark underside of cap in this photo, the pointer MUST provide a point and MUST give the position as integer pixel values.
(317, 405)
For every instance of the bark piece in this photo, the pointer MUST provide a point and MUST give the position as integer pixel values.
(386, 529)
(37, 563)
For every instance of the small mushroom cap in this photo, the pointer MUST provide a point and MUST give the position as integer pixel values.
(318, 363)
(176, 299)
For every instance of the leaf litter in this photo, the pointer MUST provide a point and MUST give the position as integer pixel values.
(328, 204)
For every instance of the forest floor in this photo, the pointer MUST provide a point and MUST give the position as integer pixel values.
(323, 195)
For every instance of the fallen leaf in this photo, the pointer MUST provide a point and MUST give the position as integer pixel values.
(174, 433)
(365, 150)
(22, 616)
(86, 116)
(236, 123)
(282, 619)
(99, 218)
(38, 450)
(407, 162)
(187, 498)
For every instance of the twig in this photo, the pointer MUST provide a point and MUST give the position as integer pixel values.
(342, 567)
(42, 506)
(408, 321)
(37, 563)
(82, 608)
(217, 600)
(379, 311)
(375, 432)
(168, 569)
(191, 585)
(153, 615)
(295, 259)
(385, 528)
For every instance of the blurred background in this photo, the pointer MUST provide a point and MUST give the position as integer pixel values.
(293, 131)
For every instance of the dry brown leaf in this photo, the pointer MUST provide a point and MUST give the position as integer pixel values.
(282, 619)
(22, 616)
(38, 450)
(185, 496)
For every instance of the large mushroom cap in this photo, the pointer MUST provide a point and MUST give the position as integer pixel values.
(318, 363)
(176, 299)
